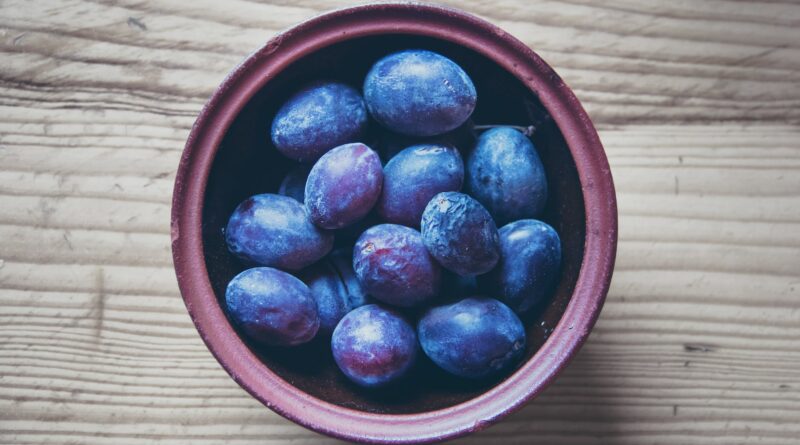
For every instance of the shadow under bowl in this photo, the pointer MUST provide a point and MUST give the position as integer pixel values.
(229, 157)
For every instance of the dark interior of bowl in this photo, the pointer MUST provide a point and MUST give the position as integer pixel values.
(247, 164)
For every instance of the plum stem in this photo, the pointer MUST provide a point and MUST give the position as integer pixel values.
(527, 131)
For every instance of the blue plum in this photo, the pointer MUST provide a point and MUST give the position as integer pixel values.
(505, 174)
(459, 232)
(272, 307)
(374, 346)
(419, 93)
(393, 266)
(529, 266)
(274, 230)
(343, 186)
(320, 116)
(473, 338)
(413, 177)
(335, 288)
(294, 183)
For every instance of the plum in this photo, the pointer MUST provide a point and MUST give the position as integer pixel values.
(529, 266)
(459, 232)
(276, 231)
(393, 266)
(272, 307)
(419, 93)
(322, 115)
(343, 186)
(294, 183)
(413, 177)
(335, 288)
(374, 346)
(473, 338)
(505, 174)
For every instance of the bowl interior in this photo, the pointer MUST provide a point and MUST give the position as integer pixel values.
(247, 164)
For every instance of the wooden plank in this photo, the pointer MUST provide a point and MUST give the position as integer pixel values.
(628, 62)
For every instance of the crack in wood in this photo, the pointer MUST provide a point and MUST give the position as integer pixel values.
(98, 310)
(133, 22)
(698, 347)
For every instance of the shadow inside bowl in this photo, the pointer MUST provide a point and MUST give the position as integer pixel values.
(247, 164)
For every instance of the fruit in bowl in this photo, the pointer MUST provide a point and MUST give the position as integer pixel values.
(231, 157)
(421, 93)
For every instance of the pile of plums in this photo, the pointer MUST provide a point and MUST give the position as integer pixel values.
(423, 262)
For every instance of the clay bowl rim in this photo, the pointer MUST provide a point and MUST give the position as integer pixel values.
(394, 18)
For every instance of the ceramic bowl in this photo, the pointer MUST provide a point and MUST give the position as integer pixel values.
(228, 157)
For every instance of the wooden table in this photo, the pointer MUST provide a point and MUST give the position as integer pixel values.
(697, 103)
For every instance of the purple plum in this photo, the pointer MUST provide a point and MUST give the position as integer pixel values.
(505, 174)
(413, 177)
(392, 264)
(335, 288)
(459, 232)
(320, 116)
(529, 266)
(374, 346)
(343, 186)
(272, 307)
(473, 338)
(419, 93)
(274, 230)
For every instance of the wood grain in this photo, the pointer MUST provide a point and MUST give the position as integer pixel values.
(698, 105)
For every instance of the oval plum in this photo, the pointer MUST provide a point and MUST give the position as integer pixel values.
(320, 116)
(529, 266)
(374, 346)
(413, 177)
(335, 289)
(419, 93)
(274, 230)
(505, 174)
(272, 307)
(343, 186)
(392, 264)
(459, 232)
(473, 338)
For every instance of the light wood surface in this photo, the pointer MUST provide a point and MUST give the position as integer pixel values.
(697, 103)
